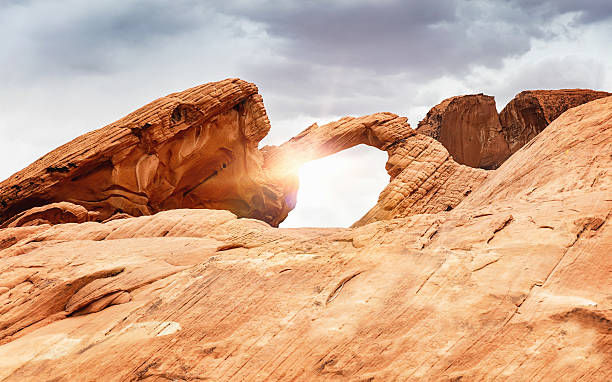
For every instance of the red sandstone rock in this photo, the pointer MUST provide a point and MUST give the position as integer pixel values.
(468, 127)
(193, 149)
(512, 284)
(54, 213)
(531, 111)
(473, 133)
(198, 149)
(424, 178)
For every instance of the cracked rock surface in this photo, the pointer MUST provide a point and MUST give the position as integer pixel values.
(513, 283)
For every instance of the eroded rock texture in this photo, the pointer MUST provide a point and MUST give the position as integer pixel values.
(193, 149)
(468, 127)
(424, 178)
(513, 284)
(531, 111)
(475, 135)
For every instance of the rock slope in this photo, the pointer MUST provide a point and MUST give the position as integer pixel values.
(512, 284)
(475, 135)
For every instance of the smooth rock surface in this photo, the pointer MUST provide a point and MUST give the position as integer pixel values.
(512, 284)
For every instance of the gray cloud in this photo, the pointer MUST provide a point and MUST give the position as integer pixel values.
(588, 11)
(54, 38)
(424, 39)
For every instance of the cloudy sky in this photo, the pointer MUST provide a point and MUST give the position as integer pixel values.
(70, 66)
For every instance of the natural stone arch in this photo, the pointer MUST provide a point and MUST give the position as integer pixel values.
(424, 177)
(198, 149)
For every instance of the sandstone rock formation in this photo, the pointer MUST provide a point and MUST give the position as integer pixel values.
(193, 149)
(54, 213)
(512, 284)
(529, 112)
(468, 127)
(475, 135)
(213, 162)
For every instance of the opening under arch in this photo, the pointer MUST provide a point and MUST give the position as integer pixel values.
(338, 190)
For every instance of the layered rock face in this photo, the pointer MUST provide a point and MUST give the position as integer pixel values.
(531, 111)
(471, 130)
(512, 284)
(193, 149)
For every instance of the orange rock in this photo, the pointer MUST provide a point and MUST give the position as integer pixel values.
(54, 213)
(475, 135)
(424, 178)
(531, 111)
(512, 284)
(468, 127)
(193, 149)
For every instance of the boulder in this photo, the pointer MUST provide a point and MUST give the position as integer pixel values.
(530, 111)
(475, 135)
(54, 213)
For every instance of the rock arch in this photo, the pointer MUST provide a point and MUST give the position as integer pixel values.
(424, 178)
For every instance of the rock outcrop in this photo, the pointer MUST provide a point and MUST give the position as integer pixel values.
(198, 149)
(512, 284)
(54, 213)
(529, 112)
(475, 135)
(193, 149)
(197, 158)
(468, 127)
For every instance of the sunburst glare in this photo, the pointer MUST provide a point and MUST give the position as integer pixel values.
(338, 190)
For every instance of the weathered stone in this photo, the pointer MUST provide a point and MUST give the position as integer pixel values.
(530, 111)
(424, 178)
(193, 149)
(512, 284)
(54, 213)
(475, 135)
(468, 127)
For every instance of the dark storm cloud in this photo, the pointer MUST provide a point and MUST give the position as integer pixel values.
(424, 38)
